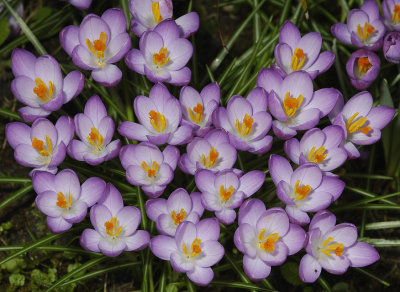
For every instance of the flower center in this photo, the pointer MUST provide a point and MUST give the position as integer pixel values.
(318, 155)
(195, 249)
(328, 249)
(155, 7)
(62, 200)
(298, 59)
(396, 13)
(42, 91)
(161, 59)
(151, 172)
(365, 31)
(158, 121)
(267, 243)
(301, 191)
(363, 65)
(211, 159)
(357, 125)
(39, 146)
(111, 227)
(225, 194)
(245, 128)
(178, 218)
(197, 113)
(291, 104)
(95, 139)
(98, 47)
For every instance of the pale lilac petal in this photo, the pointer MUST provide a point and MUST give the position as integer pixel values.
(201, 276)
(30, 114)
(186, 233)
(47, 203)
(22, 87)
(112, 199)
(324, 61)
(58, 224)
(324, 99)
(251, 182)
(299, 83)
(250, 211)
(316, 201)
(112, 248)
(274, 220)
(83, 58)
(306, 119)
(237, 241)
(27, 156)
(65, 129)
(67, 182)
(289, 34)
(135, 61)
(49, 70)
(247, 236)
(197, 206)
(335, 265)
(360, 103)
(345, 233)
(255, 268)
(323, 220)
(295, 239)
(116, 21)
(269, 80)
(18, 133)
(296, 215)
(351, 150)
(137, 241)
(110, 75)
(92, 190)
(362, 254)
(23, 63)
(129, 218)
(308, 174)
(181, 50)
(279, 168)
(90, 240)
(292, 149)
(133, 131)
(212, 252)
(163, 246)
(76, 213)
(283, 190)
(73, 85)
(311, 45)
(208, 229)
(181, 136)
(77, 150)
(43, 181)
(211, 201)
(99, 215)
(258, 99)
(180, 264)
(188, 24)
(155, 208)
(118, 47)
(91, 28)
(81, 4)
(261, 146)
(283, 56)
(309, 269)
(69, 38)
(178, 200)
(380, 116)
(180, 77)
(169, 31)
(226, 216)
(277, 256)
(282, 131)
(332, 185)
(341, 32)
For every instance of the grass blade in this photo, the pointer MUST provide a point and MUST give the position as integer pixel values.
(18, 194)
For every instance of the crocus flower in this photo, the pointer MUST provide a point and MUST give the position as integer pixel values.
(294, 53)
(323, 147)
(97, 44)
(360, 122)
(364, 28)
(266, 238)
(81, 4)
(163, 55)
(363, 68)
(293, 102)
(146, 14)
(115, 226)
(247, 122)
(148, 167)
(159, 115)
(95, 129)
(39, 84)
(304, 190)
(391, 13)
(42, 146)
(334, 248)
(391, 47)
(179, 207)
(198, 108)
(63, 199)
(213, 152)
(193, 251)
(224, 191)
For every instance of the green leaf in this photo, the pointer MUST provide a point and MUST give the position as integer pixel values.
(290, 271)
(382, 225)
(171, 288)
(17, 280)
(41, 14)
(18, 194)
(4, 29)
(340, 287)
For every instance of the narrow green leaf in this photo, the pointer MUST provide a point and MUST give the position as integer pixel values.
(324, 284)
(18, 194)
(367, 176)
(239, 285)
(285, 12)
(51, 248)
(381, 242)
(372, 276)
(4, 29)
(382, 225)
(190, 286)
(10, 114)
(368, 194)
(238, 270)
(18, 180)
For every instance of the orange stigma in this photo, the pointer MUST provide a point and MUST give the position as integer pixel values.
(42, 91)
(211, 159)
(178, 218)
(161, 59)
(155, 7)
(267, 243)
(198, 109)
(38, 145)
(98, 47)
(301, 191)
(396, 13)
(95, 139)
(245, 128)
(195, 249)
(336, 248)
(226, 194)
(158, 121)
(363, 65)
(111, 227)
(62, 200)
(291, 104)
(151, 172)
(318, 155)
(353, 126)
(365, 31)
(298, 59)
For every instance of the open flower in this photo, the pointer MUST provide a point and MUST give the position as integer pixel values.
(364, 28)
(360, 122)
(391, 47)
(159, 115)
(146, 14)
(323, 147)
(294, 53)
(266, 238)
(115, 226)
(391, 13)
(193, 251)
(225, 191)
(179, 207)
(81, 4)
(304, 190)
(198, 108)
(247, 122)
(148, 167)
(363, 68)
(97, 44)
(42, 146)
(163, 55)
(63, 199)
(39, 84)
(213, 152)
(95, 129)
(333, 247)
(293, 102)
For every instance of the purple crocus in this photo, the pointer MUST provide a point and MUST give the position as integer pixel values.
(146, 14)
(148, 167)
(179, 207)
(247, 122)
(159, 115)
(42, 146)
(115, 226)
(81, 4)
(39, 84)
(323, 147)
(294, 53)
(224, 191)
(391, 13)
(293, 102)
(163, 55)
(364, 28)
(213, 152)
(63, 199)
(193, 251)
(198, 108)
(304, 190)
(266, 238)
(97, 44)
(363, 68)
(391, 47)
(95, 129)
(333, 247)
(360, 122)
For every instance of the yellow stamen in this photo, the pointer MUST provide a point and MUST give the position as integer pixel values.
(318, 155)
(225, 194)
(151, 172)
(245, 128)
(111, 227)
(363, 65)
(211, 159)
(298, 59)
(98, 47)
(396, 13)
(268, 243)
(42, 91)
(291, 104)
(195, 249)
(336, 248)
(62, 200)
(178, 218)
(301, 191)
(158, 121)
(357, 125)
(95, 139)
(161, 59)
(198, 109)
(365, 31)
(39, 146)
(155, 7)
